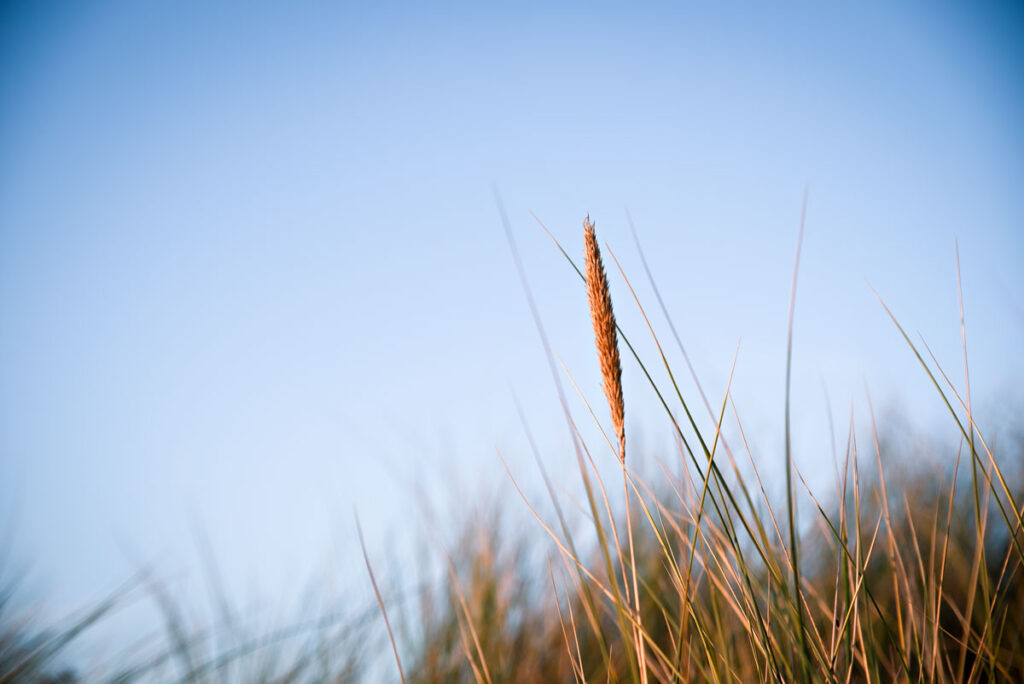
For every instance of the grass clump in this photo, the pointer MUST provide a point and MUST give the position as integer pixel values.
(905, 573)
(910, 571)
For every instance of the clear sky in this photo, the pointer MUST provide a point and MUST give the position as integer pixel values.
(252, 273)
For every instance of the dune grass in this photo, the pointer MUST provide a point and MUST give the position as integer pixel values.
(909, 570)
(902, 574)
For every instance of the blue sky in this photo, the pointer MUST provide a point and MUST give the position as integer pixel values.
(252, 272)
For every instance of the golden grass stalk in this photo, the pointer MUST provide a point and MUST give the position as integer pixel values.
(603, 318)
(606, 339)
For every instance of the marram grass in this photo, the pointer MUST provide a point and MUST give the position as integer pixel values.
(911, 570)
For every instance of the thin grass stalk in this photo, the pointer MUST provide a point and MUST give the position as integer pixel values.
(380, 602)
(585, 588)
(794, 542)
(602, 317)
(598, 527)
(713, 469)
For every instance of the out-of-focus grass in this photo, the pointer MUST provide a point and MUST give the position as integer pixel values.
(331, 647)
(509, 612)
(889, 595)
(909, 570)
(31, 653)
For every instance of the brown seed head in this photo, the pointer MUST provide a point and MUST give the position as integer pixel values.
(603, 318)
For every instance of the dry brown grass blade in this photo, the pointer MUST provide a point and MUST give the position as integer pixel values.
(380, 601)
(596, 582)
(482, 672)
(599, 480)
(577, 668)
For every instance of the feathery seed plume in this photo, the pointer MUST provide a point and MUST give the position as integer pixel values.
(604, 332)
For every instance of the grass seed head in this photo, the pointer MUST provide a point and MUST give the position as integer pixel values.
(603, 318)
